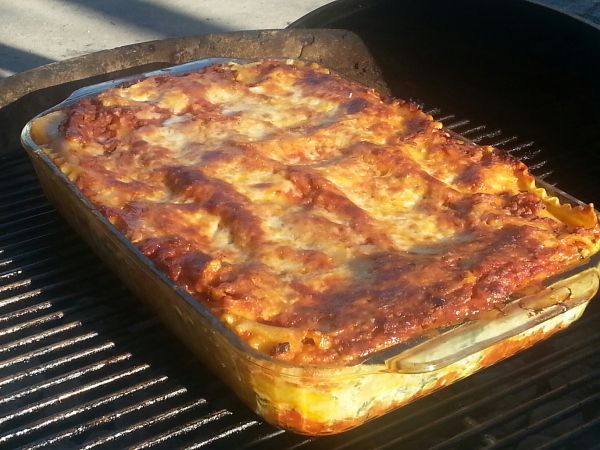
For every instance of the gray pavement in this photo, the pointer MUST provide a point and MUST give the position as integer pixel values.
(36, 32)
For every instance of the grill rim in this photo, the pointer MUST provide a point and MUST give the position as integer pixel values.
(322, 16)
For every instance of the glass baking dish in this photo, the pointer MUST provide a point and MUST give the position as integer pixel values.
(306, 399)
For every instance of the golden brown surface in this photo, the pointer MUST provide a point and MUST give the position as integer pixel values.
(318, 221)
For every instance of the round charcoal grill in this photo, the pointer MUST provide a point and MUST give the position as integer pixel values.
(82, 364)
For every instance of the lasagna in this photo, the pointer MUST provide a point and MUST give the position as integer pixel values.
(319, 221)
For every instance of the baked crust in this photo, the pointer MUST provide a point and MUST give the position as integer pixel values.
(319, 221)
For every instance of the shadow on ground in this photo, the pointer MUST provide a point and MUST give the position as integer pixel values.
(15, 60)
(156, 18)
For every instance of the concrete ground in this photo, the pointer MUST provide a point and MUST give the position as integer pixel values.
(37, 32)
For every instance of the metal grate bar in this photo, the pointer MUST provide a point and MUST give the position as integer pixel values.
(454, 125)
(534, 167)
(20, 193)
(9, 161)
(38, 337)
(80, 275)
(45, 350)
(25, 213)
(36, 426)
(13, 286)
(592, 425)
(530, 154)
(469, 131)
(520, 147)
(17, 179)
(502, 142)
(16, 169)
(262, 439)
(74, 392)
(445, 118)
(301, 444)
(30, 282)
(24, 296)
(433, 111)
(67, 377)
(39, 250)
(544, 175)
(23, 312)
(43, 305)
(45, 237)
(6, 275)
(485, 136)
(55, 363)
(523, 407)
(224, 434)
(514, 437)
(21, 232)
(18, 222)
(44, 263)
(106, 419)
(36, 197)
(30, 323)
(149, 422)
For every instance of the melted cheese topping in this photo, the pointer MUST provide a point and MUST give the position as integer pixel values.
(320, 222)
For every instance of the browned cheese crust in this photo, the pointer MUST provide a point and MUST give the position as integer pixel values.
(319, 221)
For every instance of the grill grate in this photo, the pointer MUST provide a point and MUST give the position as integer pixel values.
(82, 364)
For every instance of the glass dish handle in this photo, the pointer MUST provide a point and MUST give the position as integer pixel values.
(520, 315)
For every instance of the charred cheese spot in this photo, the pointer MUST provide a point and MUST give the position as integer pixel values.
(318, 221)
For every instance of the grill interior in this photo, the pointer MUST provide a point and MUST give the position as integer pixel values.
(82, 364)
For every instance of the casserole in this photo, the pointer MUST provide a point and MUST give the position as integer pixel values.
(326, 377)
